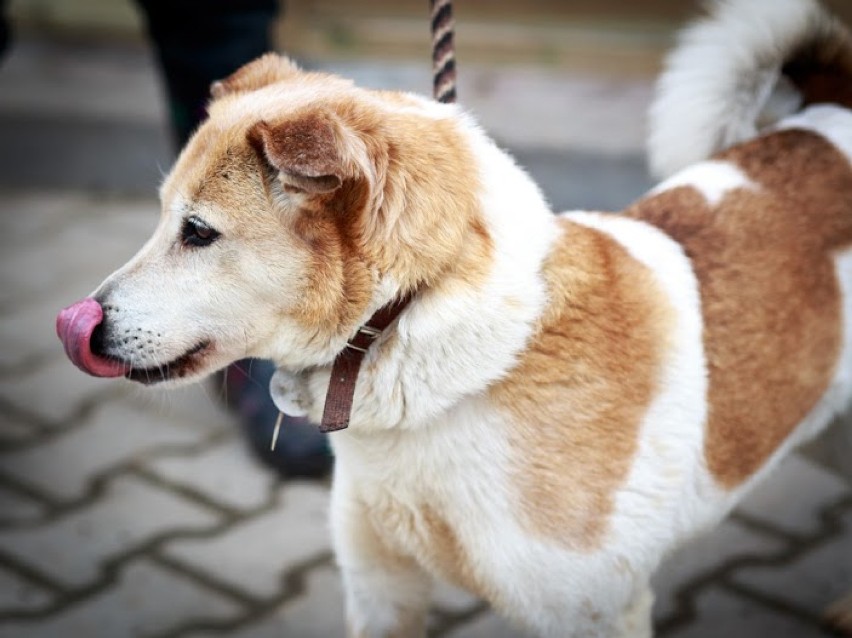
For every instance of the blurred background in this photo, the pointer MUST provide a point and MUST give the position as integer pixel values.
(126, 512)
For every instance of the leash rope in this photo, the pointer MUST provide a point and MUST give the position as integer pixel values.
(443, 51)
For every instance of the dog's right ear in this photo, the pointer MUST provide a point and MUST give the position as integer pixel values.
(305, 149)
(265, 70)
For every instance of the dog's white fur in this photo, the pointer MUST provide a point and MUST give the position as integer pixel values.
(723, 81)
(425, 435)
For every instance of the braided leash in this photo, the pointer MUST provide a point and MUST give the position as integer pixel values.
(443, 51)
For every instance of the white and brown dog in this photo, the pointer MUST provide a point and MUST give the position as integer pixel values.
(565, 399)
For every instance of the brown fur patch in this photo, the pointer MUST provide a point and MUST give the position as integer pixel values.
(821, 69)
(429, 225)
(770, 297)
(416, 218)
(581, 389)
(807, 170)
(304, 145)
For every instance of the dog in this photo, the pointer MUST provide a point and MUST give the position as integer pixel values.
(557, 401)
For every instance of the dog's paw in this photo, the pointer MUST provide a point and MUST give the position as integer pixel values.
(289, 392)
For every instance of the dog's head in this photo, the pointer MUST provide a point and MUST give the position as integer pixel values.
(296, 210)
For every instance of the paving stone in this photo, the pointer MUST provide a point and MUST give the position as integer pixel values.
(55, 390)
(17, 594)
(831, 449)
(16, 508)
(28, 332)
(727, 542)
(115, 434)
(198, 403)
(723, 614)
(226, 474)
(15, 431)
(71, 261)
(817, 579)
(318, 613)
(147, 599)
(73, 548)
(791, 498)
(489, 625)
(254, 555)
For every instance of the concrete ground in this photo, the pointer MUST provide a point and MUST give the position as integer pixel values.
(124, 512)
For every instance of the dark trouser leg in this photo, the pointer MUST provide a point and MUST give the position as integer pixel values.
(5, 34)
(200, 41)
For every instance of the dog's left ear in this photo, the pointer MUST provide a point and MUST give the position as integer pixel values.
(308, 150)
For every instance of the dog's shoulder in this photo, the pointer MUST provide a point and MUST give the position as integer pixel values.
(583, 386)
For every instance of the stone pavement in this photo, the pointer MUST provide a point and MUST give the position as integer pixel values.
(125, 512)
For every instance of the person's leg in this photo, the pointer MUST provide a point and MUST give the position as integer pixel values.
(198, 42)
(5, 34)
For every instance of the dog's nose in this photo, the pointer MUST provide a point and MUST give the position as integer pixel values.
(75, 326)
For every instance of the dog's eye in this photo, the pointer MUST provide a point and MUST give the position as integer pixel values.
(196, 232)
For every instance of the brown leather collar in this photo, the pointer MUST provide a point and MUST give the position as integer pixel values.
(344, 371)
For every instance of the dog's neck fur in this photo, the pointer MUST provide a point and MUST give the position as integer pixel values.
(483, 321)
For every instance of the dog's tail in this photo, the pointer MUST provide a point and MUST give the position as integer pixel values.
(747, 65)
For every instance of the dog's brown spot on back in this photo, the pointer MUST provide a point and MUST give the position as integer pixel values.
(807, 170)
(581, 389)
(769, 292)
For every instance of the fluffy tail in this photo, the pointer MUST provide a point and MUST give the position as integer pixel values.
(747, 65)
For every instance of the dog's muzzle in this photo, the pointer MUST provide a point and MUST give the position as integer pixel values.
(75, 326)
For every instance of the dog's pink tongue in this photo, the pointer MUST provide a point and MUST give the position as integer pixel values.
(75, 325)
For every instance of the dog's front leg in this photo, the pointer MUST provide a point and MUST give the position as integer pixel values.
(387, 593)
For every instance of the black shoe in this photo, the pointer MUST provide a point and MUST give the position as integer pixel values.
(301, 450)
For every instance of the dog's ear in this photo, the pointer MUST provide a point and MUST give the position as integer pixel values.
(306, 150)
(265, 70)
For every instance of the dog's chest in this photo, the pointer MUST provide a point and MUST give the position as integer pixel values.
(430, 493)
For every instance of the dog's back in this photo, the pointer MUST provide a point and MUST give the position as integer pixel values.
(766, 223)
(767, 227)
